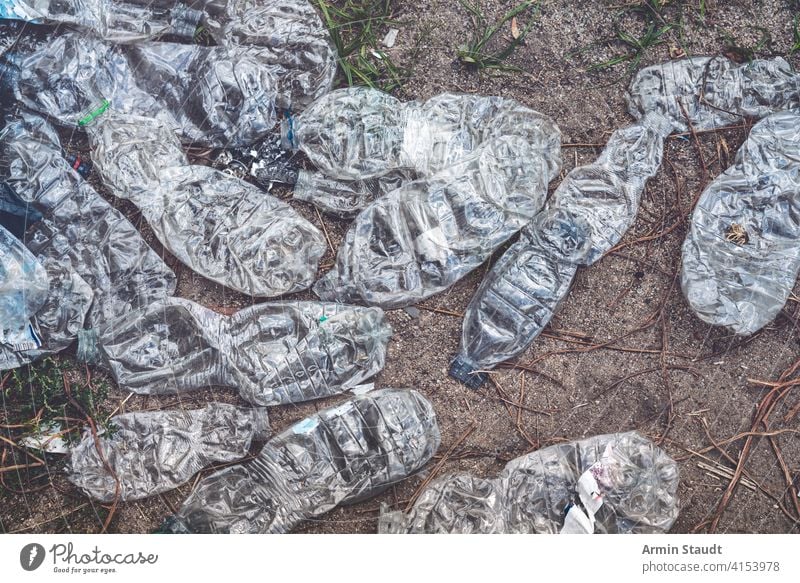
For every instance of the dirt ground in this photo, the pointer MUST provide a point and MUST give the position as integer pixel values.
(677, 380)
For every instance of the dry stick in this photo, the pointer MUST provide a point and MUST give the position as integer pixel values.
(763, 411)
(665, 377)
(762, 489)
(504, 397)
(787, 475)
(439, 465)
(19, 447)
(324, 229)
(14, 490)
(687, 369)
(696, 141)
(717, 445)
(99, 448)
(441, 311)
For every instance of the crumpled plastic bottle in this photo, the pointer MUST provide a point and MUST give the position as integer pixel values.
(424, 236)
(275, 353)
(272, 55)
(341, 455)
(149, 452)
(588, 214)
(365, 143)
(618, 483)
(79, 228)
(713, 91)
(24, 286)
(742, 253)
(223, 228)
(519, 295)
(117, 21)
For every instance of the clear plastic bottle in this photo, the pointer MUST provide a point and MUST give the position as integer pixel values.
(588, 214)
(424, 236)
(713, 91)
(341, 455)
(742, 253)
(149, 452)
(362, 141)
(618, 483)
(118, 21)
(223, 228)
(79, 228)
(274, 353)
(24, 286)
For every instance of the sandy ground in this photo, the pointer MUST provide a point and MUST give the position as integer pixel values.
(568, 391)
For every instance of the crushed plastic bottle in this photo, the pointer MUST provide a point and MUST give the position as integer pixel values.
(275, 353)
(424, 236)
(149, 452)
(364, 141)
(79, 228)
(24, 287)
(742, 253)
(223, 228)
(271, 56)
(589, 213)
(596, 204)
(117, 21)
(618, 483)
(341, 455)
(713, 91)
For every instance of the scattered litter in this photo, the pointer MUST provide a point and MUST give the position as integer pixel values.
(48, 438)
(340, 455)
(620, 483)
(390, 38)
(743, 282)
(151, 452)
(273, 353)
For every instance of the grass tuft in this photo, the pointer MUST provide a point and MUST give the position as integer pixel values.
(357, 28)
(478, 53)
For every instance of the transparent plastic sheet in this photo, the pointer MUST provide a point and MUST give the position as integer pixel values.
(589, 213)
(341, 455)
(543, 493)
(742, 253)
(363, 141)
(79, 228)
(155, 451)
(221, 227)
(424, 236)
(519, 295)
(272, 55)
(274, 354)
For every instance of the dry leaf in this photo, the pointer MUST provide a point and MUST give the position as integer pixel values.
(514, 28)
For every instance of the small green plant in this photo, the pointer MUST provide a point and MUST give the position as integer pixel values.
(745, 53)
(479, 53)
(636, 46)
(357, 27)
(795, 36)
(53, 390)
